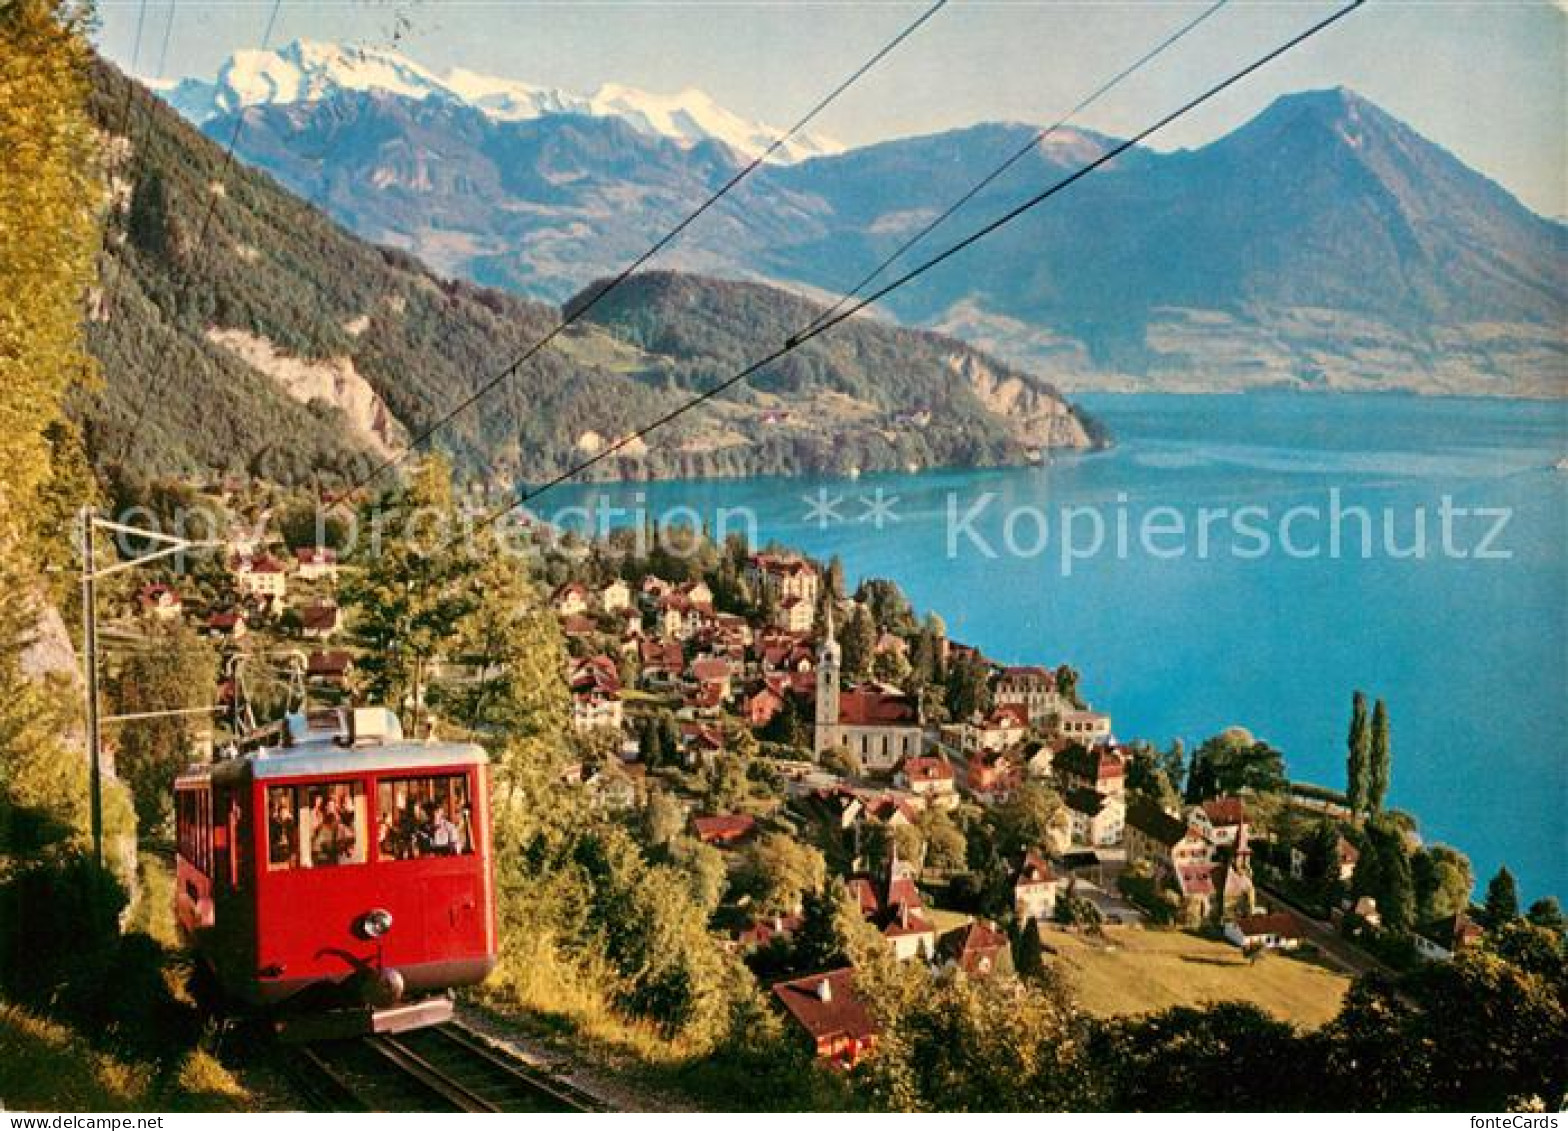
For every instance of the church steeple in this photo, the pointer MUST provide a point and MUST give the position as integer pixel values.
(825, 734)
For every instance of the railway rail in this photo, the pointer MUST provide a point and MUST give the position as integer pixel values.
(447, 1067)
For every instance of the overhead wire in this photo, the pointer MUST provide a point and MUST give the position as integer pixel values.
(603, 291)
(818, 327)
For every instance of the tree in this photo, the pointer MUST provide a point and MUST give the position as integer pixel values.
(1029, 952)
(1229, 1056)
(412, 591)
(1443, 882)
(843, 761)
(724, 783)
(662, 818)
(1146, 774)
(1028, 819)
(1547, 912)
(1502, 898)
(1379, 768)
(704, 869)
(1067, 685)
(776, 869)
(1384, 873)
(833, 581)
(968, 687)
(973, 1044)
(1233, 761)
(946, 849)
(178, 673)
(1358, 764)
(1173, 763)
(858, 641)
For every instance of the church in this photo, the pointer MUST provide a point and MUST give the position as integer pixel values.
(876, 722)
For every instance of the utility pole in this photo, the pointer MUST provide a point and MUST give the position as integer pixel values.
(90, 523)
(90, 654)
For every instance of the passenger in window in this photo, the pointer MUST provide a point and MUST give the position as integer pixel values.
(409, 832)
(445, 837)
(333, 840)
(281, 833)
(387, 838)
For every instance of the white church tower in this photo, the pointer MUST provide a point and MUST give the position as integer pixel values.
(829, 664)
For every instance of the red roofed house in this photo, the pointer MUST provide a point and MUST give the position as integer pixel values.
(570, 600)
(711, 672)
(992, 775)
(763, 705)
(160, 602)
(1278, 931)
(332, 668)
(760, 933)
(320, 620)
(977, 948)
(316, 563)
(1099, 768)
(1221, 821)
(781, 577)
(897, 908)
(1034, 888)
(661, 661)
(796, 614)
(1002, 728)
(723, 829)
(263, 576)
(1440, 941)
(835, 1020)
(925, 776)
(909, 933)
(1033, 689)
(230, 623)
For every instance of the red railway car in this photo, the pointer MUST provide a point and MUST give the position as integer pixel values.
(341, 881)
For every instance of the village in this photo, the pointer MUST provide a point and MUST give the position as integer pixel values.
(780, 737)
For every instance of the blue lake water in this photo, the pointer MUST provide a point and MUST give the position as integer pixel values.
(1259, 622)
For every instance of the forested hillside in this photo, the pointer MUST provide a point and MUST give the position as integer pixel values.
(241, 330)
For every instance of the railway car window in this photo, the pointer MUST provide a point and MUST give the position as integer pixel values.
(315, 826)
(425, 816)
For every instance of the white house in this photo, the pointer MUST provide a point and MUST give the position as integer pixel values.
(1034, 888)
(1098, 819)
(1279, 930)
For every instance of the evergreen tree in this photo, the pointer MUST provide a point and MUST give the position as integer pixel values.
(1502, 898)
(1029, 953)
(1358, 761)
(858, 640)
(968, 688)
(1067, 685)
(1379, 764)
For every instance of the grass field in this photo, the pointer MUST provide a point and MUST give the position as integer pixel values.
(1138, 971)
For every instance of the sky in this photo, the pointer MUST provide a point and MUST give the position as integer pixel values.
(1488, 81)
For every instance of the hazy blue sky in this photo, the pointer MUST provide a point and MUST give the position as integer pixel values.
(1486, 80)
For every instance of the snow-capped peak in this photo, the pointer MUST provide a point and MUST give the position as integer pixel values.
(307, 71)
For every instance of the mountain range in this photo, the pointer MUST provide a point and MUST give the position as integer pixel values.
(308, 71)
(1322, 245)
(239, 329)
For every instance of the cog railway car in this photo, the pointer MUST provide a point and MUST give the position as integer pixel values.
(341, 881)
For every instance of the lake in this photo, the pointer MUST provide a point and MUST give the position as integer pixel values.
(1193, 574)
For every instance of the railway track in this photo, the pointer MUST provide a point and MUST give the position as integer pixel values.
(444, 1068)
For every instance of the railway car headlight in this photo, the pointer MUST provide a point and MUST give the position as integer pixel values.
(374, 924)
